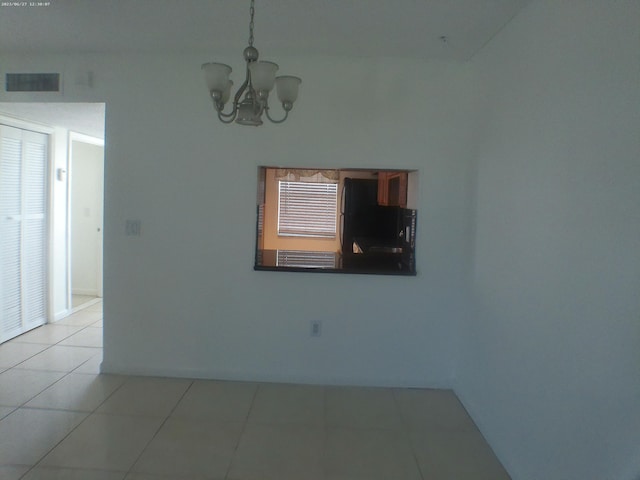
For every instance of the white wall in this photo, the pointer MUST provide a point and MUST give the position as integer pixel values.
(87, 165)
(183, 298)
(58, 216)
(549, 359)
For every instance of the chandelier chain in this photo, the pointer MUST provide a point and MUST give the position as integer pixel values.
(252, 11)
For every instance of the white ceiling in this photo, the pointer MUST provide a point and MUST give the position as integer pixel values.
(360, 28)
(399, 28)
(86, 118)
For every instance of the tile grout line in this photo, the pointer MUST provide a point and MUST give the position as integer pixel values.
(54, 344)
(159, 428)
(244, 428)
(66, 373)
(29, 358)
(96, 470)
(15, 340)
(48, 344)
(325, 439)
(407, 431)
(88, 414)
(35, 465)
(85, 362)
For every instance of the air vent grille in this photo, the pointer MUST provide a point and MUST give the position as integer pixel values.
(32, 82)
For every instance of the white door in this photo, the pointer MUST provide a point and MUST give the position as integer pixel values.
(23, 231)
(87, 184)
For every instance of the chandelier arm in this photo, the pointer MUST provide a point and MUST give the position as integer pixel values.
(240, 91)
(266, 110)
(232, 113)
(231, 116)
(236, 99)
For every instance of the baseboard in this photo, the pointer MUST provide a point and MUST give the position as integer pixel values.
(81, 291)
(84, 305)
(61, 314)
(262, 377)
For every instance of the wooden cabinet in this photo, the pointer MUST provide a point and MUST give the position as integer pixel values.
(392, 188)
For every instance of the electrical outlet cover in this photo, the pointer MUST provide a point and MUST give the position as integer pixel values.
(316, 328)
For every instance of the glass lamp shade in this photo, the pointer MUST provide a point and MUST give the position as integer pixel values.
(217, 76)
(263, 75)
(287, 87)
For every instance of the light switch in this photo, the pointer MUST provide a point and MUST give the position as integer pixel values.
(132, 228)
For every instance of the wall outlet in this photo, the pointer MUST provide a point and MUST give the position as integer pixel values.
(316, 328)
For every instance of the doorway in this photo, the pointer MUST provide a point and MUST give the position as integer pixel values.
(69, 125)
(86, 201)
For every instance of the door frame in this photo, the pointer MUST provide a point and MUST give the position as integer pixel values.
(82, 138)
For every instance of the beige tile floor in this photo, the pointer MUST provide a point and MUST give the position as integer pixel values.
(77, 300)
(61, 419)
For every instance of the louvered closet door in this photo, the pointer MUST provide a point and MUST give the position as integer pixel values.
(10, 232)
(23, 231)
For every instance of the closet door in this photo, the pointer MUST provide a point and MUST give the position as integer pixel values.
(34, 229)
(10, 232)
(23, 231)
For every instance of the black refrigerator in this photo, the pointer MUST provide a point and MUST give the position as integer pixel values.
(359, 199)
(365, 225)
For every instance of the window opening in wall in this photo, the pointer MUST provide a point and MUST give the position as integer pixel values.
(341, 220)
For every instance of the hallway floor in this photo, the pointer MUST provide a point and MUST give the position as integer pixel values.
(61, 419)
(79, 300)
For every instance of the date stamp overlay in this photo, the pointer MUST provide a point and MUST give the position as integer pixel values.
(15, 3)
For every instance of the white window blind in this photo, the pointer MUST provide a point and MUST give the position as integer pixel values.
(307, 209)
(306, 259)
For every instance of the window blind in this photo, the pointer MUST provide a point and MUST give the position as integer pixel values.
(307, 209)
(306, 259)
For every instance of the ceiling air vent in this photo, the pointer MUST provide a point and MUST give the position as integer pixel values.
(32, 82)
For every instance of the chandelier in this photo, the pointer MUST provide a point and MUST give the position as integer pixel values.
(260, 80)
